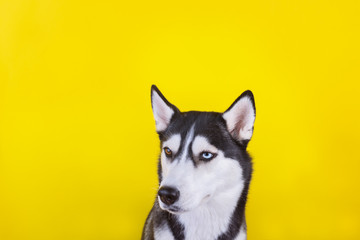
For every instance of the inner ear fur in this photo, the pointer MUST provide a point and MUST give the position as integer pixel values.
(240, 117)
(163, 110)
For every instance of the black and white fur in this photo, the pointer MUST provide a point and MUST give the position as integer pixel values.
(204, 171)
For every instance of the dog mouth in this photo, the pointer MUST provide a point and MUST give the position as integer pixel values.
(178, 210)
(173, 209)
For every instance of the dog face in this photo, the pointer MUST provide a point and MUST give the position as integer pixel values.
(203, 158)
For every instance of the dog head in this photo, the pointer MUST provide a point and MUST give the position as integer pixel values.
(203, 156)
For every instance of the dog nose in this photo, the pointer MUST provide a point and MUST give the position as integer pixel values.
(168, 195)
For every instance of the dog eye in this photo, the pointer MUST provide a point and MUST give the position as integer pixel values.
(206, 156)
(168, 152)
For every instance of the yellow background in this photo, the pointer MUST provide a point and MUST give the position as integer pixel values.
(78, 147)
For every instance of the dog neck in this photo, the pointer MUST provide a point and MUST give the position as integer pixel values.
(221, 218)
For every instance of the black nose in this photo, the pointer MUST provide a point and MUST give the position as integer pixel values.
(168, 195)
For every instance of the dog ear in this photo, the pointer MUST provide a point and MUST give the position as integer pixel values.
(240, 117)
(163, 110)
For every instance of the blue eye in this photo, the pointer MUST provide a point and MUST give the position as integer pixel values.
(207, 156)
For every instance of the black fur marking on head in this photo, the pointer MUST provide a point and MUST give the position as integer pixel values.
(210, 125)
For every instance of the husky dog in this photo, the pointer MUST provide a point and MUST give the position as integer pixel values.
(204, 171)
